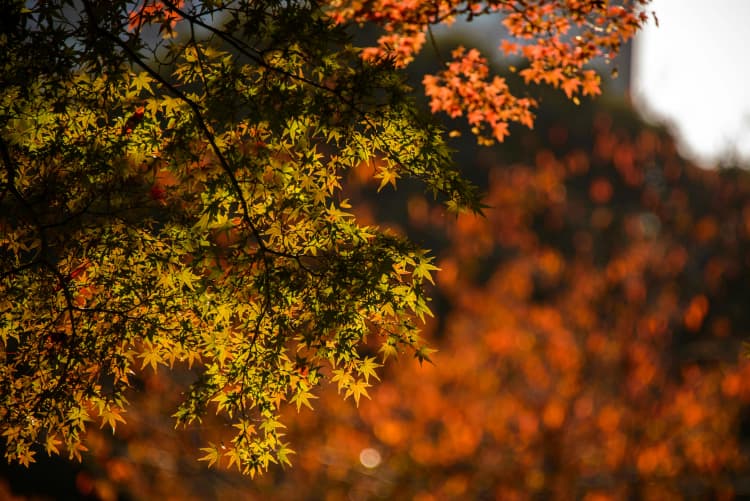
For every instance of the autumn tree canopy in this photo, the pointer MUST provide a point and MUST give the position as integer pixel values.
(171, 196)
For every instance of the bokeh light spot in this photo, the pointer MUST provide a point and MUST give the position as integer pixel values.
(370, 458)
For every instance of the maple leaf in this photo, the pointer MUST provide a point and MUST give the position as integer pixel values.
(591, 85)
(51, 443)
(151, 357)
(388, 350)
(212, 456)
(283, 454)
(368, 368)
(423, 354)
(26, 458)
(234, 458)
(303, 398)
(387, 176)
(110, 417)
(357, 389)
(139, 82)
(570, 86)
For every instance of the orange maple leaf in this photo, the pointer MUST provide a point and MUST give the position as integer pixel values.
(570, 86)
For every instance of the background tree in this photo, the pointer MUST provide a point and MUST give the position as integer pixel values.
(171, 196)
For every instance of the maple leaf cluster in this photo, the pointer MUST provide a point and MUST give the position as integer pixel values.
(163, 14)
(463, 89)
(555, 40)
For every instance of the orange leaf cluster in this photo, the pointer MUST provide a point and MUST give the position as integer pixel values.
(464, 87)
(155, 12)
(555, 40)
